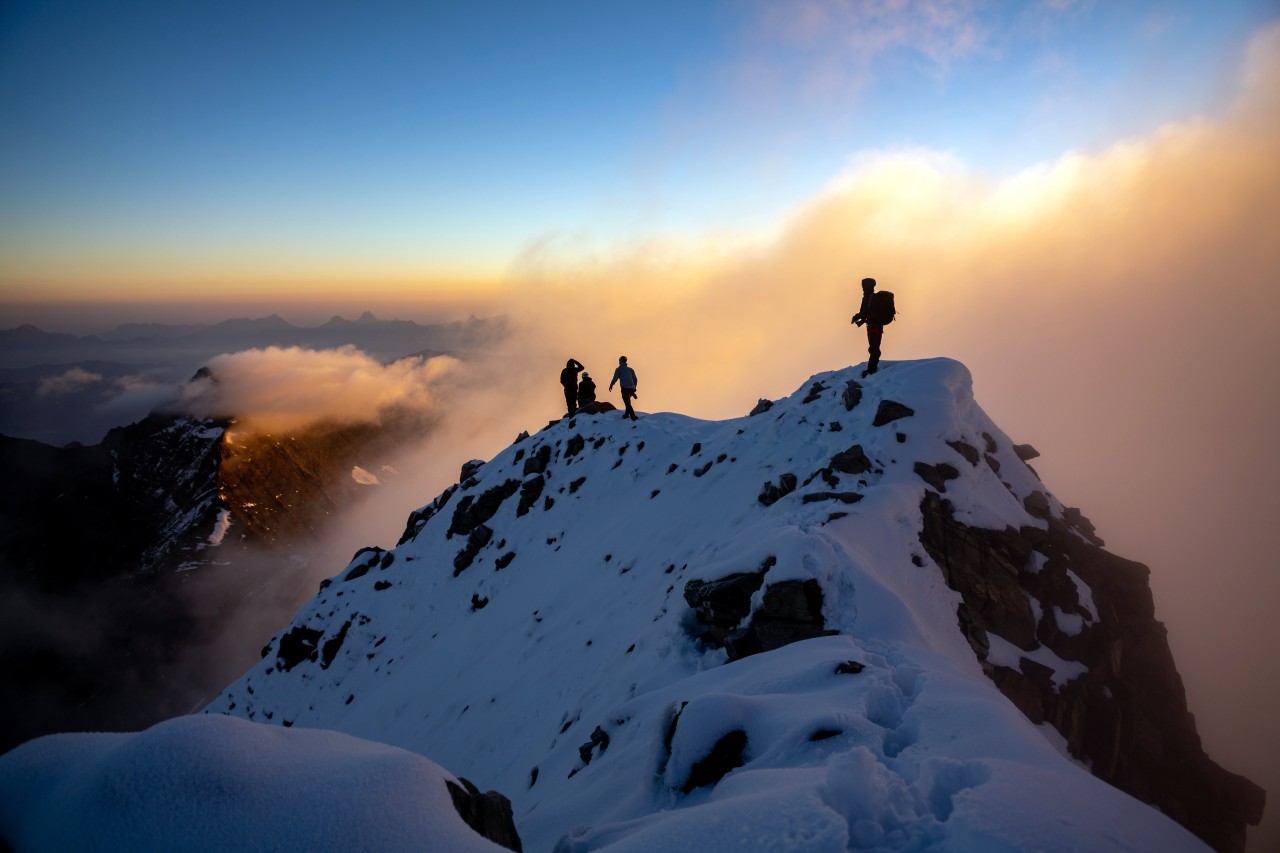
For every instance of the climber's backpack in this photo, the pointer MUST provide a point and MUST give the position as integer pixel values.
(880, 311)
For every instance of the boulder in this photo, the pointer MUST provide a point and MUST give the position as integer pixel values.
(488, 814)
(889, 411)
(936, 475)
(851, 395)
(851, 461)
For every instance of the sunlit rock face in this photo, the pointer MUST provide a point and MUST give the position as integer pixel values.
(846, 617)
(119, 558)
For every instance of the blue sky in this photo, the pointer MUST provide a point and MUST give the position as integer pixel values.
(437, 140)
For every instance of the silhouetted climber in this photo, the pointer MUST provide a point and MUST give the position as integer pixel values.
(627, 378)
(569, 379)
(876, 311)
(586, 390)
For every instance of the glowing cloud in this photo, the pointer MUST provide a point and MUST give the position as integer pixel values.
(75, 379)
(277, 389)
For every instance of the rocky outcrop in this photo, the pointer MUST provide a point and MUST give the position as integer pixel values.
(489, 813)
(1109, 686)
(789, 611)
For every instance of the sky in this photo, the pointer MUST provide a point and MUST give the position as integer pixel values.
(1078, 200)
(202, 151)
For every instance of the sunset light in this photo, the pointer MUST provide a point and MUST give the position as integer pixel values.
(325, 218)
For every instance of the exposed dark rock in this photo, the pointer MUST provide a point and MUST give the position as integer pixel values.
(296, 645)
(419, 518)
(984, 567)
(478, 603)
(851, 461)
(843, 497)
(530, 491)
(599, 407)
(815, 391)
(504, 561)
(937, 475)
(1037, 504)
(1025, 452)
(489, 813)
(965, 449)
(696, 449)
(478, 538)
(849, 667)
(851, 395)
(1077, 521)
(472, 512)
(723, 757)
(990, 442)
(537, 462)
(331, 646)
(835, 426)
(599, 739)
(698, 472)
(574, 446)
(719, 606)
(790, 611)
(889, 411)
(1126, 716)
(360, 567)
(576, 484)
(771, 493)
(470, 469)
(992, 462)
(379, 586)
(762, 406)
(824, 734)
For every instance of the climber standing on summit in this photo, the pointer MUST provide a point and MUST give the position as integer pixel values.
(627, 377)
(876, 312)
(569, 380)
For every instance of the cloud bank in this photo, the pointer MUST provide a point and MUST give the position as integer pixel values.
(280, 389)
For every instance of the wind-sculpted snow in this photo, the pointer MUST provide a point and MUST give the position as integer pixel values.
(217, 784)
(531, 632)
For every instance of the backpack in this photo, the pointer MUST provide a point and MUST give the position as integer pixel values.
(880, 311)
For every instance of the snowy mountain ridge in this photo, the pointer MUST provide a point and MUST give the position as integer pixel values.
(854, 619)
(557, 627)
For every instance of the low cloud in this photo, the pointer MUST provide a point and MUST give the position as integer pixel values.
(281, 389)
(74, 380)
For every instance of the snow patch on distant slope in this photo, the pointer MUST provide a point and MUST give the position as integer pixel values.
(363, 477)
(220, 528)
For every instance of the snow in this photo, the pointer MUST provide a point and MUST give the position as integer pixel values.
(1005, 653)
(216, 783)
(363, 477)
(1068, 623)
(220, 528)
(1085, 593)
(571, 619)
